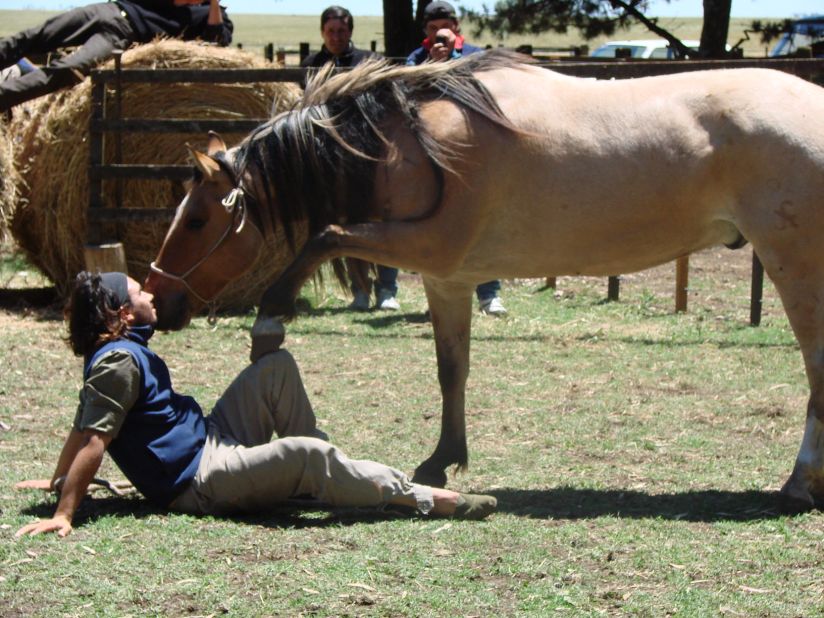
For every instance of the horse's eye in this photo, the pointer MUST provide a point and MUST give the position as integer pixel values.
(195, 224)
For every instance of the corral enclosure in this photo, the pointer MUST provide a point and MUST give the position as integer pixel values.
(634, 454)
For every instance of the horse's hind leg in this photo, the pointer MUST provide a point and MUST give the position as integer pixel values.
(798, 275)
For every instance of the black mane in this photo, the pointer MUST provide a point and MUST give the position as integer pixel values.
(318, 161)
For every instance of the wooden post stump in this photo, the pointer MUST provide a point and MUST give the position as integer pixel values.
(105, 257)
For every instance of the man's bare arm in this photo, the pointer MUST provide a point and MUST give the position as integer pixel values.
(81, 471)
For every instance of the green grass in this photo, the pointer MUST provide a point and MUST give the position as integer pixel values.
(287, 31)
(634, 453)
(15, 271)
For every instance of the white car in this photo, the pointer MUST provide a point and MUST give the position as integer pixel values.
(656, 49)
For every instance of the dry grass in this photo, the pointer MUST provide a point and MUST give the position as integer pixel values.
(50, 224)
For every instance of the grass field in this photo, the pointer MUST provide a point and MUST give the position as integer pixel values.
(287, 31)
(634, 452)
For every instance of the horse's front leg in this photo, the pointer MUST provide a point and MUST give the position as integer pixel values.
(279, 298)
(278, 302)
(450, 306)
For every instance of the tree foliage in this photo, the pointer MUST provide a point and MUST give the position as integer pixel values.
(591, 17)
(596, 18)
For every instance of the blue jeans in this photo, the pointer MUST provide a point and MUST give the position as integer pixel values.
(488, 290)
(388, 280)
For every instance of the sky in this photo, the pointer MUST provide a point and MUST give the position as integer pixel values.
(660, 8)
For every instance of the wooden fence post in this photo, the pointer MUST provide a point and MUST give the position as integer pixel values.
(756, 290)
(613, 288)
(682, 280)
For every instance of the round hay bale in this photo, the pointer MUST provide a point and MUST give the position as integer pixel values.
(9, 181)
(53, 157)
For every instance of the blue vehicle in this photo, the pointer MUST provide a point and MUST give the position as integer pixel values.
(805, 32)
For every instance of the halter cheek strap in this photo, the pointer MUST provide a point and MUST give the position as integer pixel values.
(235, 201)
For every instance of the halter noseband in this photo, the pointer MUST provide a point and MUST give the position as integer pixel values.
(234, 203)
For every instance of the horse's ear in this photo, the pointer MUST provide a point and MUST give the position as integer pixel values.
(216, 144)
(204, 163)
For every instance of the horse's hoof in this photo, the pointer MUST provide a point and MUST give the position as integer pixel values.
(433, 478)
(792, 505)
(795, 497)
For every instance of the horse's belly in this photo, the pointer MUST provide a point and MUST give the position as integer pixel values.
(595, 251)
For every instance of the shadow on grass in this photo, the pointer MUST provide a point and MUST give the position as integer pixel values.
(373, 318)
(292, 514)
(699, 506)
(42, 303)
(560, 503)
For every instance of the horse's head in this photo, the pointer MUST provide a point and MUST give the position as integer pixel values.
(210, 242)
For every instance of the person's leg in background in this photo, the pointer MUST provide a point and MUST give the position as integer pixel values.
(386, 289)
(488, 298)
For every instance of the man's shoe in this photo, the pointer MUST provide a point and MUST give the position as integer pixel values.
(360, 302)
(493, 306)
(387, 301)
(12, 72)
(474, 506)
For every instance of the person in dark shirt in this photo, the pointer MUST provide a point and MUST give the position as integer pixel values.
(336, 26)
(99, 29)
(222, 463)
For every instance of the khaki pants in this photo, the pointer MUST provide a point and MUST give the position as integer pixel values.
(241, 470)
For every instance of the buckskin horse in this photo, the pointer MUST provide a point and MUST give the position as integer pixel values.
(489, 167)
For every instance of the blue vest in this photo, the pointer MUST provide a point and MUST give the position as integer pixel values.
(161, 441)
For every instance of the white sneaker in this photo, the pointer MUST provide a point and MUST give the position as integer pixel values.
(387, 302)
(493, 306)
(360, 302)
(12, 72)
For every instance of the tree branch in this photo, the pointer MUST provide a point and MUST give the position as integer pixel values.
(681, 50)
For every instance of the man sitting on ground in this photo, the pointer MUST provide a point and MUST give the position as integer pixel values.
(220, 464)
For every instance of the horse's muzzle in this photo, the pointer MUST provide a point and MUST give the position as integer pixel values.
(173, 311)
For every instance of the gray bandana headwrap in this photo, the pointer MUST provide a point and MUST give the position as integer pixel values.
(118, 284)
